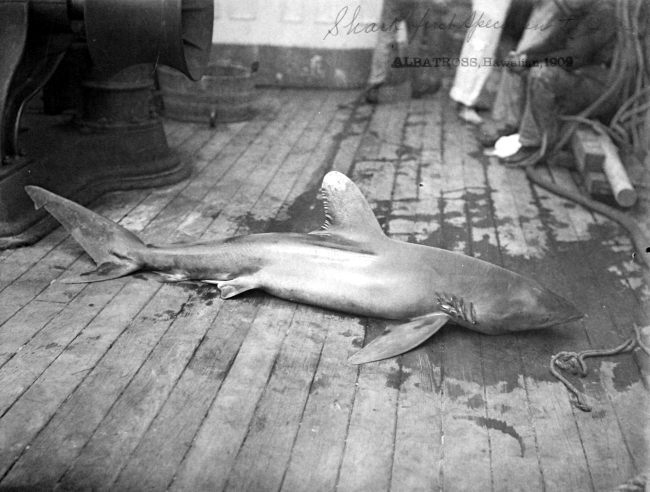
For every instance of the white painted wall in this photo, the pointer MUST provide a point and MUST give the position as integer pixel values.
(293, 23)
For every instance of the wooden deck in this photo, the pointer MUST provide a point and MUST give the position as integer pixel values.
(133, 385)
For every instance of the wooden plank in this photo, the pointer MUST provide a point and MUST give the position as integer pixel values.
(418, 457)
(558, 443)
(463, 399)
(26, 366)
(514, 462)
(153, 464)
(263, 457)
(406, 189)
(4, 254)
(172, 207)
(258, 181)
(26, 417)
(305, 159)
(275, 174)
(31, 283)
(223, 187)
(145, 426)
(369, 446)
(348, 148)
(178, 132)
(23, 326)
(427, 223)
(22, 259)
(97, 306)
(159, 199)
(610, 437)
(114, 206)
(39, 275)
(159, 208)
(243, 200)
(369, 449)
(151, 210)
(318, 450)
(16, 332)
(33, 269)
(418, 430)
(301, 211)
(208, 462)
(108, 450)
(221, 164)
(143, 455)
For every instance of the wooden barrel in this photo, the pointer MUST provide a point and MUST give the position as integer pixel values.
(225, 94)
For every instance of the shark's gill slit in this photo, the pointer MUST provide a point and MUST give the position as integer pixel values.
(456, 307)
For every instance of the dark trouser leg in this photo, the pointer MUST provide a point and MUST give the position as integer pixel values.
(552, 92)
(509, 101)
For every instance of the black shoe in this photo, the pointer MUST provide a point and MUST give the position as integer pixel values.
(488, 133)
(524, 157)
(372, 93)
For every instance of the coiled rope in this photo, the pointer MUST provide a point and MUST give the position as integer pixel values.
(575, 362)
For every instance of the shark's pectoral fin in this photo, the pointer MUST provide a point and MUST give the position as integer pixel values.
(106, 271)
(400, 338)
(231, 288)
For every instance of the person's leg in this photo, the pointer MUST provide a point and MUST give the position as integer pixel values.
(471, 75)
(385, 50)
(506, 110)
(509, 101)
(552, 92)
(422, 17)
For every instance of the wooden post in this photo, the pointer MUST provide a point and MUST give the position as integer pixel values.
(624, 192)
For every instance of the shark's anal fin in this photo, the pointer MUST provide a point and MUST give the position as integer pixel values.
(400, 338)
(105, 271)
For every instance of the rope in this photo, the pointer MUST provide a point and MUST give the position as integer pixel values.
(639, 239)
(575, 362)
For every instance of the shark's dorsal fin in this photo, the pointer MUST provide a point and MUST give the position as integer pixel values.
(346, 210)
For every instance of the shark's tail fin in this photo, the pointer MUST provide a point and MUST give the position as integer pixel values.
(113, 248)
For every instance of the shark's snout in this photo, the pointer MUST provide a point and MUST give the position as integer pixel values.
(539, 307)
(527, 305)
(557, 309)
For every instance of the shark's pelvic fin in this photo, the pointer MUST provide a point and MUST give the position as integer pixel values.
(346, 209)
(110, 245)
(400, 338)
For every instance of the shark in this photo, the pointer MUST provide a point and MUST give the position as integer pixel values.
(349, 265)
